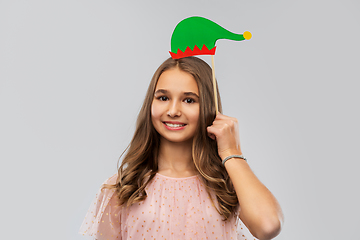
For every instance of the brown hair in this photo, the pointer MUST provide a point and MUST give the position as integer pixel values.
(140, 163)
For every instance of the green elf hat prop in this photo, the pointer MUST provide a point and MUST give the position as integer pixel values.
(197, 36)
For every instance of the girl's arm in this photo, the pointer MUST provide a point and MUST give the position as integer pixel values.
(259, 210)
(102, 220)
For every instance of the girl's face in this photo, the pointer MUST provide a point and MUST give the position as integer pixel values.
(175, 107)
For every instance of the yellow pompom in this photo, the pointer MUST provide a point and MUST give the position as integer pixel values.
(247, 35)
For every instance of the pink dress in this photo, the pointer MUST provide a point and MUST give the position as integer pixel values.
(175, 208)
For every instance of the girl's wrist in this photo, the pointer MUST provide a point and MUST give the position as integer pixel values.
(233, 157)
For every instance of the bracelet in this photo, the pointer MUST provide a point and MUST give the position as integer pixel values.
(233, 156)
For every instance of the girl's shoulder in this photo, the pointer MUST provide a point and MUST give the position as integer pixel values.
(111, 180)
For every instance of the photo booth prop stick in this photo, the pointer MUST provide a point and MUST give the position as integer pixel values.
(197, 36)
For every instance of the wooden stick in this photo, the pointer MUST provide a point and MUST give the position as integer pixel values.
(214, 84)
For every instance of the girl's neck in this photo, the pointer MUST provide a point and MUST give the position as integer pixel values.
(175, 159)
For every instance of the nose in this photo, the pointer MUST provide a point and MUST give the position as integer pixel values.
(174, 109)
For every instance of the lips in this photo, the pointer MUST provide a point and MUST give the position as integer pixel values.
(174, 125)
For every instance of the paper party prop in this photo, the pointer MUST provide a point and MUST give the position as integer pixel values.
(197, 36)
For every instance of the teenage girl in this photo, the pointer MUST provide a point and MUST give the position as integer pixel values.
(173, 182)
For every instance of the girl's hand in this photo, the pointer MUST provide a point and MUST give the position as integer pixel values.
(226, 132)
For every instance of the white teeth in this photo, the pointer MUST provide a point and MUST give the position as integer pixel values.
(174, 125)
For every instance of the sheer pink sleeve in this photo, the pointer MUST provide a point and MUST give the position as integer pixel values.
(102, 220)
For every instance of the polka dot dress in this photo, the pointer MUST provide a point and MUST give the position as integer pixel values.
(175, 208)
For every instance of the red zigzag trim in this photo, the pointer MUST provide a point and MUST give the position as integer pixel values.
(188, 52)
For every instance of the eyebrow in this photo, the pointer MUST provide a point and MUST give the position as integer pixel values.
(163, 91)
(191, 94)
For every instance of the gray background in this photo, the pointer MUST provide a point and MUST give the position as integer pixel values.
(73, 75)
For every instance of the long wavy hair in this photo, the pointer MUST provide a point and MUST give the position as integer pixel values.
(140, 162)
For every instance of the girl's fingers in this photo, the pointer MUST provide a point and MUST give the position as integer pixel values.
(212, 136)
(224, 130)
(212, 131)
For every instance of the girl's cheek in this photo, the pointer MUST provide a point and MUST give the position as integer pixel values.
(155, 110)
(195, 114)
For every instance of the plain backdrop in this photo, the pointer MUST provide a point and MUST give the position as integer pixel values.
(73, 75)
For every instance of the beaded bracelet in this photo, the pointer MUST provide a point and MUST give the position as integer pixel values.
(233, 156)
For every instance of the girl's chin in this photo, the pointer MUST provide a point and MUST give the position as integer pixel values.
(174, 140)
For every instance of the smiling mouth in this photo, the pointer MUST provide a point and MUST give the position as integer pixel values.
(174, 125)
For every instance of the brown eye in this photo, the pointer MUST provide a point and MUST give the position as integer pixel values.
(163, 98)
(189, 100)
